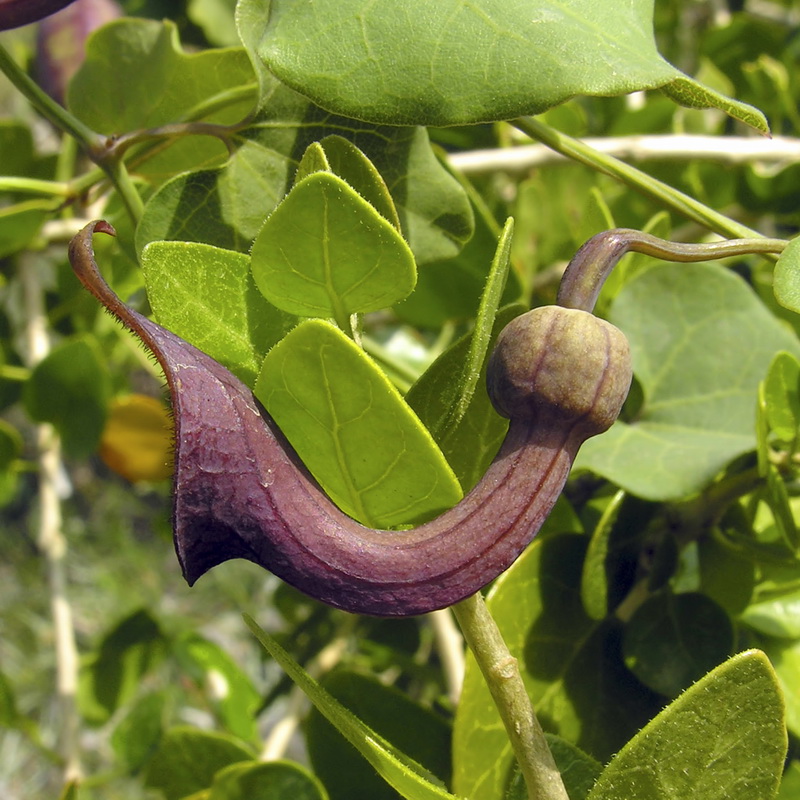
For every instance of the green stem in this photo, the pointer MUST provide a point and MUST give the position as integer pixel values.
(641, 181)
(501, 672)
(11, 372)
(13, 183)
(119, 176)
(46, 106)
(592, 264)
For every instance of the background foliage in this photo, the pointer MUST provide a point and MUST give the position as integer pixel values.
(676, 544)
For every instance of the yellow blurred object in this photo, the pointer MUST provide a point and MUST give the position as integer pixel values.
(137, 440)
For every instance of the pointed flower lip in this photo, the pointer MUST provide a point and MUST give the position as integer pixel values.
(240, 490)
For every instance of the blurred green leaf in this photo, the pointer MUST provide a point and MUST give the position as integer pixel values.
(20, 223)
(207, 296)
(407, 777)
(353, 430)
(456, 64)
(136, 736)
(699, 341)
(673, 640)
(10, 449)
(790, 785)
(216, 18)
(415, 731)
(725, 734)
(70, 388)
(779, 618)
(113, 673)
(230, 690)
(188, 759)
(277, 780)
(782, 394)
(326, 252)
(787, 276)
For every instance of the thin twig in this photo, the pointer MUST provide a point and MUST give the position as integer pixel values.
(51, 541)
(778, 151)
(501, 672)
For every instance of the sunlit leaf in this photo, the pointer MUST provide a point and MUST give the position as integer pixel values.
(206, 295)
(724, 734)
(353, 430)
(453, 63)
(325, 251)
(700, 341)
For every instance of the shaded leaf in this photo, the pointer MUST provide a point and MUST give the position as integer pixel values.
(578, 771)
(336, 406)
(419, 733)
(673, 640)
(725, 734)
(470, 445)
(406, 776)
(277, 780)
(136, 736)
(571, 664)
(782, 395)
(187, 760)
(127, 652)
(727, 576)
